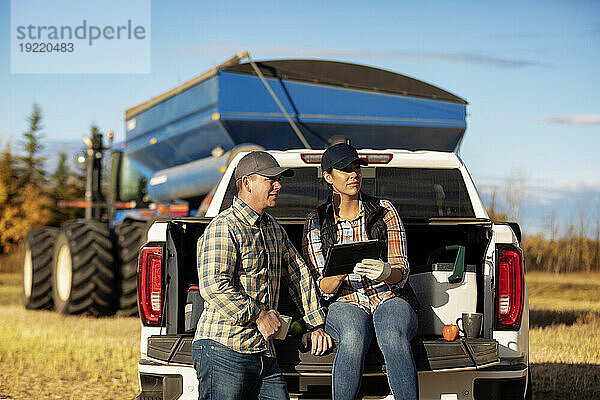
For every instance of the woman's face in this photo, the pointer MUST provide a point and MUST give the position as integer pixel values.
(346, 181)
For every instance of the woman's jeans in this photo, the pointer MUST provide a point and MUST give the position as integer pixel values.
(395, 324)
(224, 374)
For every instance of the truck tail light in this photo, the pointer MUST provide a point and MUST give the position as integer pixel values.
(376, 158)
(511, 287)
(149, 287)
(370, 158)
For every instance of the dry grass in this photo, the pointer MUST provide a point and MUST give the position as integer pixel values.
(48, 356)
(56, 357)
(565, 335)
(10, 289)
(11, 262)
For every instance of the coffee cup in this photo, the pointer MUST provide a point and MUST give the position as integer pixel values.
(285, 321)
(471, 324)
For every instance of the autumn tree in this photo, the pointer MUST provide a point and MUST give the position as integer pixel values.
(8, 176)
(27, 204)
(8, 195)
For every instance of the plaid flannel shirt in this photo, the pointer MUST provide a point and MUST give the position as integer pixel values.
(241, 260)
(357, 289)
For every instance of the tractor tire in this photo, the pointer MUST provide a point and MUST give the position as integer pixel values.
(83, 273)
(37, 268)
(131, 235)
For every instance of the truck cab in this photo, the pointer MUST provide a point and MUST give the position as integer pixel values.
(440, 208)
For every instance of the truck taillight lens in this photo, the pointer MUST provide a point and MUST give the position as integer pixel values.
(370, 158)
(150, 284)
(511, 287)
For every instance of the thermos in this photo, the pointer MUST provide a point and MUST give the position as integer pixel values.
(193, 308)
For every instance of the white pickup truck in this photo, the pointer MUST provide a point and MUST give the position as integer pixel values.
(440, 208)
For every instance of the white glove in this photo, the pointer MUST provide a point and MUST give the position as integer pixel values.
(376, 270)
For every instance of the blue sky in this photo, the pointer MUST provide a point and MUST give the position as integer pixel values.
(529, 69)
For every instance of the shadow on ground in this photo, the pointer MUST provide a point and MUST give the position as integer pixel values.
(565, 381)
(542, 318)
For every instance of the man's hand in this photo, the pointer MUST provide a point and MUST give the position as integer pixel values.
(268, 323)
(320, 341)
(376, 270)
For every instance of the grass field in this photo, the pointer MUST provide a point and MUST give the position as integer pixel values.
(48, 356)
(564, 339)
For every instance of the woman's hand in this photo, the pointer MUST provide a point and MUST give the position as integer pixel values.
(331, 284)
(376, 270)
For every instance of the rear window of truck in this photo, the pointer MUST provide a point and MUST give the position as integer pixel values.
(415, 192)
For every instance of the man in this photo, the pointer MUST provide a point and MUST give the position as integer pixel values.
(242, 257)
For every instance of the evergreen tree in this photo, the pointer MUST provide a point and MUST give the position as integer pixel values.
(65, 186)
(62, 172)
(32, 170)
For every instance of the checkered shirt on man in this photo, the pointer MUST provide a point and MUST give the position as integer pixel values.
(242, 259)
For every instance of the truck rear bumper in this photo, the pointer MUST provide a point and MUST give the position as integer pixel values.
(430, 354)
(178, 382)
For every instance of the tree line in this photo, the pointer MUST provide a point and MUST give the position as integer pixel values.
(29, 194)
(574, 248)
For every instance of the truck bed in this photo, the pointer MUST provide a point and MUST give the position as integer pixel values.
(431, 353)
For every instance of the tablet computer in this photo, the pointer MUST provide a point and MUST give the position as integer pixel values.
(342, 258)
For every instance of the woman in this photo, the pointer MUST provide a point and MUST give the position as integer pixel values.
(370, 300)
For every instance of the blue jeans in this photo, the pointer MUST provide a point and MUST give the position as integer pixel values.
(395, 324)
(224, 374)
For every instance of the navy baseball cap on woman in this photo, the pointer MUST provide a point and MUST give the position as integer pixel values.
(339, 156)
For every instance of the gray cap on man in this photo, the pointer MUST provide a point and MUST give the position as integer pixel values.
(261, 163)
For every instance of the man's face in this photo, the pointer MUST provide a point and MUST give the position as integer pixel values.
(264, 191)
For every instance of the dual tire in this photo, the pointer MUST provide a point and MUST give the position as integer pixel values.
(83, 270)
(130, 235)
(37, 268)
(78, 270)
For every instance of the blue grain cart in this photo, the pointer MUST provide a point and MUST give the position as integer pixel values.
(178, 145)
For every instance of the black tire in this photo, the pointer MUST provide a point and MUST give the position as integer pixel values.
(131, 235)
(83, 271)
(37, 268)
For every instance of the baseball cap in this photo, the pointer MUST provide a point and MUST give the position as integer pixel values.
(261, 163)
(339, 156)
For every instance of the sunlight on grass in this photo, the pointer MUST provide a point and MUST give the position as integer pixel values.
(564, 339)
(10, 288)
(577, 343)
(578, 291)
(573, 335)
(49, 353)
(53, 356)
